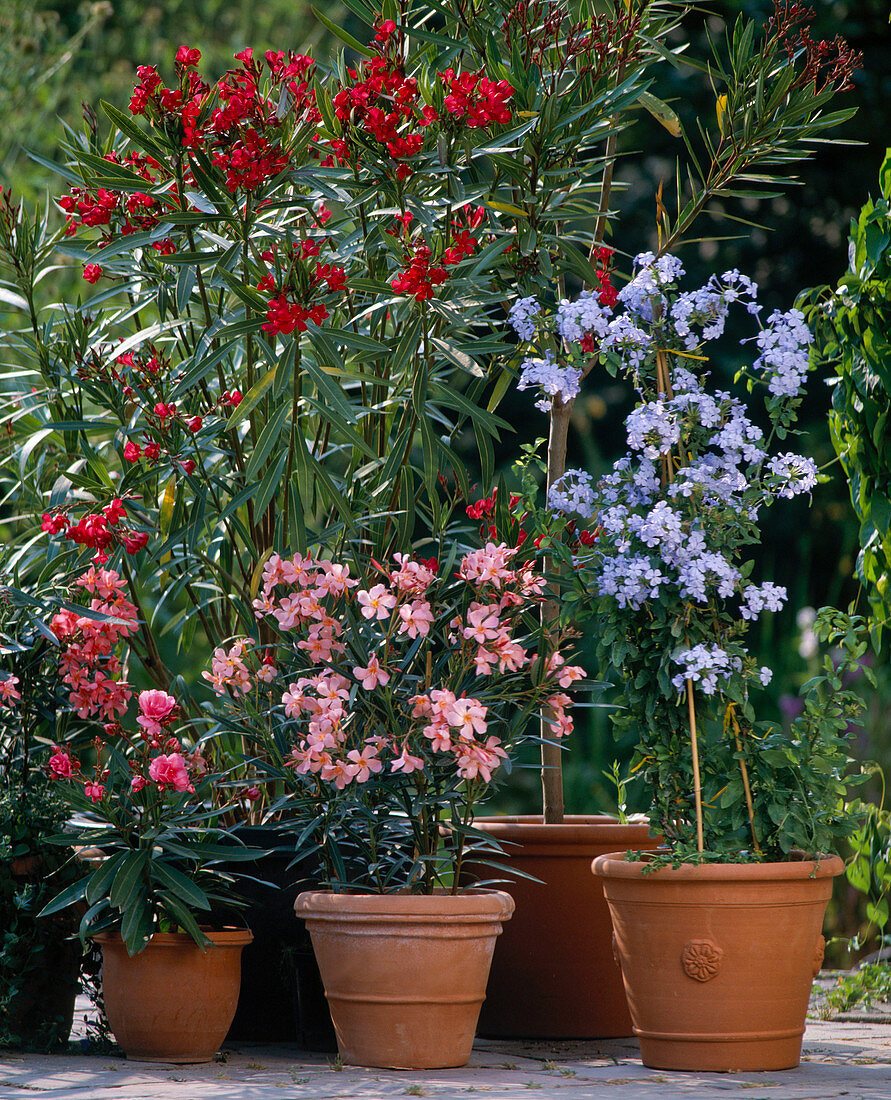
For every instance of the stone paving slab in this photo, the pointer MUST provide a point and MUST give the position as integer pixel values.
(842, 1058)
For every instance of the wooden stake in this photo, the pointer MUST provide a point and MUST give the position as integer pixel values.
(697, 787)
(745, 780)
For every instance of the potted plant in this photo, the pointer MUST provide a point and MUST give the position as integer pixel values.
(385, 696)
(154, 899)
(718, 935)
(740, 146)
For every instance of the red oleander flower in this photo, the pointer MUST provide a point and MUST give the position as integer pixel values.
(92, 273)
(132, 451)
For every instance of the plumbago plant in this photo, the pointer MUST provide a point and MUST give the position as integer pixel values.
(667, 577)
(150, 805)
(385, 703)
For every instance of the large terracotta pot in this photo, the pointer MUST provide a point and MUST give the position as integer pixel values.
(554, 975)
(172, 1002)
(404, 974)
(718, 959)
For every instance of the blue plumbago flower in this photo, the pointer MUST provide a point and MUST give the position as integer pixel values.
(628, 340)
(573, 493)
(653, 428)
(582, 317)
(757, 598)
(674, 514)
(793, 474)
(784, 347)
(705, 665)
(645, 288)
(521, 315)
(552, 379)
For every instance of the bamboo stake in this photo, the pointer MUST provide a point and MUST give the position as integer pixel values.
(697, 788)
(744, 772)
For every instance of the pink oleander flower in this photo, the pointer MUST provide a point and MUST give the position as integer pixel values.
(416, 619)
(338, 773)
(483, 625)
(468, 716)
(364, 763)
(476, 761)
(564, 674)
(267, 672)
(8, 691)
(137, 783)
(94, 791)
(377, 602)
(413, 577)
(373, 676)
(488, 566)
(155, 707)
(170, 771)
(61, 765)
(561, 722)
(406, 763)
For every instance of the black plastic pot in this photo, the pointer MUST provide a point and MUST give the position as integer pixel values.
(281, 999)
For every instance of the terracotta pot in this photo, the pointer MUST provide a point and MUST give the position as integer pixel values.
(554, 975)
(719, 959)
(404, 974)
(172, 1002)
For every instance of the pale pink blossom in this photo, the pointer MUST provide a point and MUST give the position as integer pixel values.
(406, 763)
(267, 672)
(412, 576)
(8, 690)
(373, 676)
(364, 763)
(376, 602)
(476, 761)
(439, 735)
(468, 716)
(488, 566)
(417, 618)
(338, 773)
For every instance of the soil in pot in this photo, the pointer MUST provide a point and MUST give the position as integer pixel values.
(404, 974)
(172, 1002)
(554, 975)
(719, 959)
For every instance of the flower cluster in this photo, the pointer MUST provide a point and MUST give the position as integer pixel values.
(337, 707)
(100, 530)
(676, 510)
(159, 771)
(89, 665)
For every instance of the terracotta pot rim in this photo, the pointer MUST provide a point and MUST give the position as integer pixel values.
(226, 937)
(482, 905)
(580, 829)
(614, 865)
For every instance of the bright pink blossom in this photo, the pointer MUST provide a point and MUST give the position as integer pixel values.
(170, 771)
(155, 707)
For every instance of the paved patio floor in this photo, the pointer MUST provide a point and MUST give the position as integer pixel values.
(847, 1057)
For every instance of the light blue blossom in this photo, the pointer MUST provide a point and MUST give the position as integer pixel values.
(784, 347)
(521, 315)
(572, 493)
(705, 665)
(551, 379)
(653, 428)
(794, 474)
(582, 317)
(758, 598)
